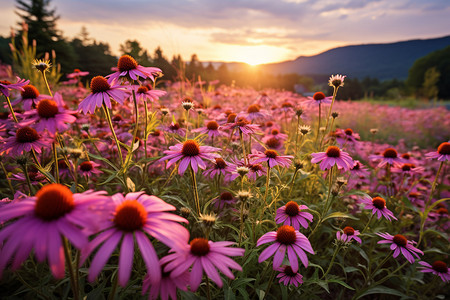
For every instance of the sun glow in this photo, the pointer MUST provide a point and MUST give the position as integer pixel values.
(254, 55)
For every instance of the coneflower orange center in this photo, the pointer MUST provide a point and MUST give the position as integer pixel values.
(406, 156)
(292, 208)
(190, 148)
(212, 125)
(390, 153)
(444, 149)
(442, 211)
(440, 266)
(126, 63)
(349, 230)
(271, 153)
(142, 90)
(220, 163)
(275, 131)
(47, 108)
(175, 126)
(62, 164)
(356, 166)
(286, 105)
(226, 196)
(5, 82)
(379, 202)
(286, 235)
(273, 143)
(348, 131)
(408, 167)
(400, 240)
(254, 108)
(318, 96)
(157, 132)
(26, 135)
(99, 84)
(333, 151)
(289, 272)
(29, 92)
(53, 201)
(117, 118)
(130, 215)
(242, 122)
(199, 246)
(86, 166)
(255, 167)
(76, 70)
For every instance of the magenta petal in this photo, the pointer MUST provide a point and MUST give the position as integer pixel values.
(268, 252)
(103, 254)
(292, 259)
(55, 253)
(126, 259)
(211, 271)
(196, 275)
(149, 256)
(279, 256)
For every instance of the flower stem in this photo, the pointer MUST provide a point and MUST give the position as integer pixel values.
(111, 127)
(330, 184)
(208, 292)
(27, 177)
(46, 83)
(332, 261)
(367, 225)
(318, 126)
(7, 179)
(331, 107)
(267, 185)
(11, 109)
(241, 137)
(293, 182)
(194, 188)
(68, 257)
(296, 136)
(378, 267)
(136, 126)
(113, 290)
(433, 187)
(55, 159)
(241, 232)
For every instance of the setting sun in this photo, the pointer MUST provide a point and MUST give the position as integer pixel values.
(254, 55)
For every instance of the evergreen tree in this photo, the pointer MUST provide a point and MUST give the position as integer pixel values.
(134, 49)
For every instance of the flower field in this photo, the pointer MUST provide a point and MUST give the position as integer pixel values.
(134, 189)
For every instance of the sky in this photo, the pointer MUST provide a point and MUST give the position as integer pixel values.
(258, 31)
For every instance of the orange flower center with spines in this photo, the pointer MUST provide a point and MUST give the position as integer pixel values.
(269, 124)
(275, 131)
(130, 215)
(220, 163)
(440, 266)
(29, 92)
(212, 125)
(242, 122)
(286, 235)
(5, 82)
(53, 201)
(62, 164)
(333, 151)
(318, 96)
(199, 246)
(256, 167)
(117, 118)
(231, 118)
(400, 240)
(390, 153)
(271, 153)
(273, 143)
(356, 166)
(175, 126)
(408, 167)
(47, 108)
(86, 166)
(254, 108)
(406, 156)
(348, 131)
(157, 132)
(349, 230)
(444, 149)
(286, 105)
(292, 208)
(442, 211)
(142, 90)
(289, 272)
(99, 84)
(26, 135)
(4, 115)
(126, 63)
(226, 196)
(76, 70)
(379, 202)
(190, 148)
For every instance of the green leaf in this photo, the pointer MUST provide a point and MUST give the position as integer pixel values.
(341, 283)
(103, 160)
(339, 214)
(382, 290)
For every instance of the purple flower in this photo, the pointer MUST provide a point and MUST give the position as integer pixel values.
(254, 113)
(291, 214)
(348, 234)
(144, 92)
(317, 99)
(288, 276)
(130, 219)
(40, 221)
(378, 206)
(203, 255)
(88, 168)
(272, 158)
(219, 167)
(24, 139)
(285, 238)
(77, 73)
(101, 92)
(225, 199)
(400, 244)
(333, 156)
(127, 67)
(389, 156)
(438, 268)
(240, 124)
(29, 96)
(174, 128)
(6, 86)
(211, 128)
(190, 153)
(442, 153)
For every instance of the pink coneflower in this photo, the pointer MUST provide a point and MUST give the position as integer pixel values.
(292, 214)
(336, 80)
(389, 156)
(30, 96)
(33, 174)
(438, 268)
(225, 199)
(42, 220)
(77, 73)
(101, 92)
(174, 127)
(219, 167)
(400, 244)
(128, 67)
(203, 255)
(88, 168)
(442, 153)
(272, 158)
(24, 139)
(348, 234)
(50, 115)
(6, 86)
(190, 153)
(240, 125)
(288, 276)
(333, 156)
(167, 287)
(211, 128)
(254, 113)
(346, 135)
(409, 169)
(359, 169)
(378, 206)
(318, 98)
(286, 237)
(275, 134)
(145, 93)
(131, 218)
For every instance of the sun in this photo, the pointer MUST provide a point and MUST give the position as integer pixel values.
(255, 55)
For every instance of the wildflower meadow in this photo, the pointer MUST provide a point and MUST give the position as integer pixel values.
(130, 187)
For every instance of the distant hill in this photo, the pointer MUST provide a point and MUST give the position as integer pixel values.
(382, 61)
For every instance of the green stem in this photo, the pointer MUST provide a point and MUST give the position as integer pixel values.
(11, 109)
(55, 159)
(187, 124)
(332, 261)
(293, 182)
(27, 177)
(378, 267)
(331, 107)
(318, 126)
(241, 232)
(329, 190)
(269, 285)
(111, 127)
(267, 185)
(136, 127)
(241, 137)
(367, 225)
(208, 292)
(7, 179)
(296, 136)
(68, 257)
(46, 83)
(194, 188)
(112, 293)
